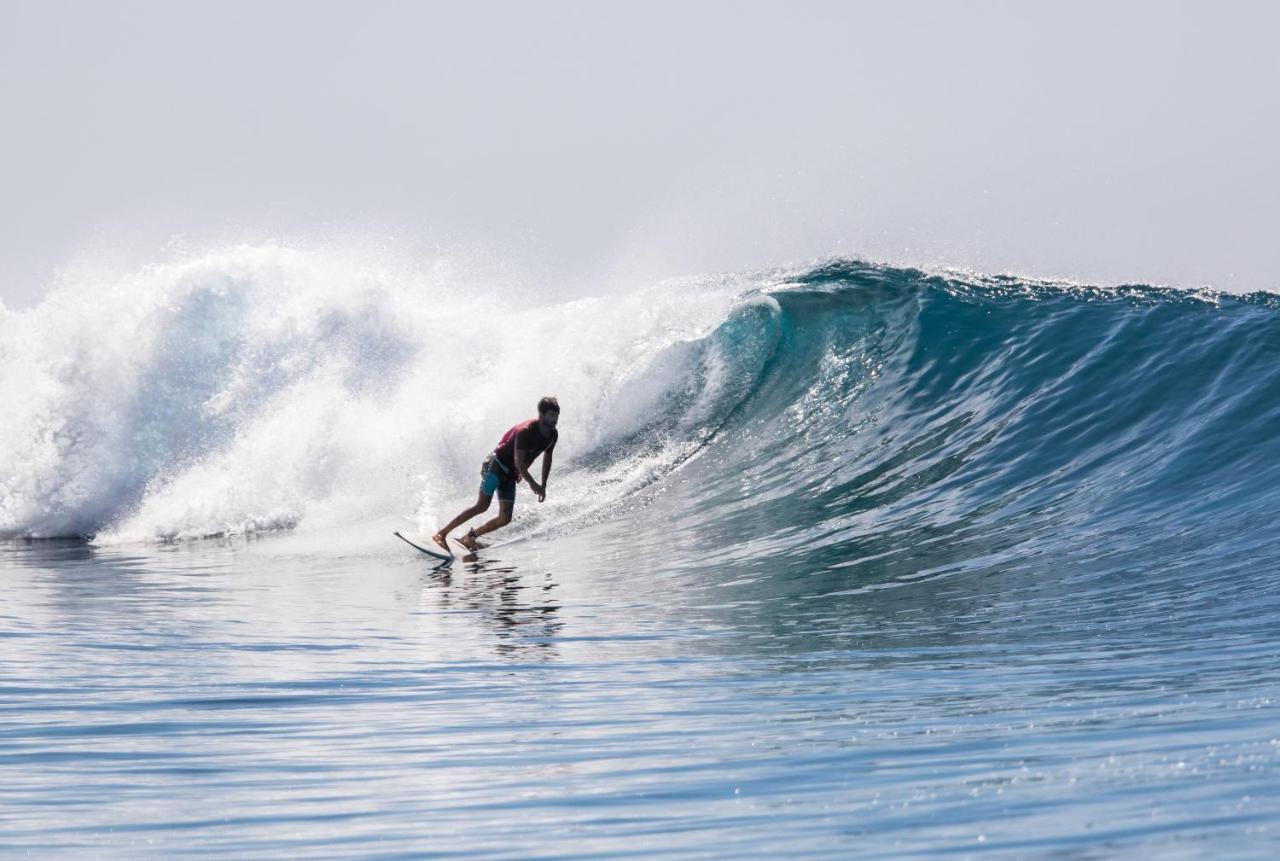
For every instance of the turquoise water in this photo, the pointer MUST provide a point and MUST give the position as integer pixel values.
(875, 563)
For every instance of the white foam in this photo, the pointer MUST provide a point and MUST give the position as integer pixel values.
(264, 387)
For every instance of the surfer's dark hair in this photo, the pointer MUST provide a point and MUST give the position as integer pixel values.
(548, 403)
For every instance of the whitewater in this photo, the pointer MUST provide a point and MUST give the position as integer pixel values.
(844, 560)
(268, 388)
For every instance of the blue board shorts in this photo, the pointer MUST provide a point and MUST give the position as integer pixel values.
(494, 477)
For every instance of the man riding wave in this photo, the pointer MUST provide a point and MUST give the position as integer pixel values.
(506, 466)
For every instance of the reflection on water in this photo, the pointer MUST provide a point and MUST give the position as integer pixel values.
(591, 697)
(519, 613)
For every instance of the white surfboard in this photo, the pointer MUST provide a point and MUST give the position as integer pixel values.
(433, 552)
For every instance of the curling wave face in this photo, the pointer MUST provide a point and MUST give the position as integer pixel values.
(1109, 453)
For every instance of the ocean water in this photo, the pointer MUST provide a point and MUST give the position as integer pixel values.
(854, 561)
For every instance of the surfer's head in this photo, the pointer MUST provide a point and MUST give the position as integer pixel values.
(549, 411)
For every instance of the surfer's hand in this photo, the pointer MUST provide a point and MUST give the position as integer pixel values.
(542, 495)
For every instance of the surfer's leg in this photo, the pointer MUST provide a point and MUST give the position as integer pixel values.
(506, 502)
(482, 505)
(503, 518)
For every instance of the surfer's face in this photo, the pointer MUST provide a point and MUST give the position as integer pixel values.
(550, 417)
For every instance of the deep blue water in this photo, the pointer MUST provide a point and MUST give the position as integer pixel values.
(877, 563)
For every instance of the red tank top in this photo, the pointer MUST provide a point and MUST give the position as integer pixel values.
(528, 437)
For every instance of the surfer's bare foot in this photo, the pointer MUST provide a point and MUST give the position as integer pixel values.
(438, 538)
(469, 541)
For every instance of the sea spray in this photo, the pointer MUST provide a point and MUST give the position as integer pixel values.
(269, 387)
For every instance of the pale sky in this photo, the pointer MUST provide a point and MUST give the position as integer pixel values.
(599, 142)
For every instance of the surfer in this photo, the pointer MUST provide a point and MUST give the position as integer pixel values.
(505, 466)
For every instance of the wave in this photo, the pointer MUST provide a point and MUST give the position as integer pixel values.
(842, 416)
(912, 425)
